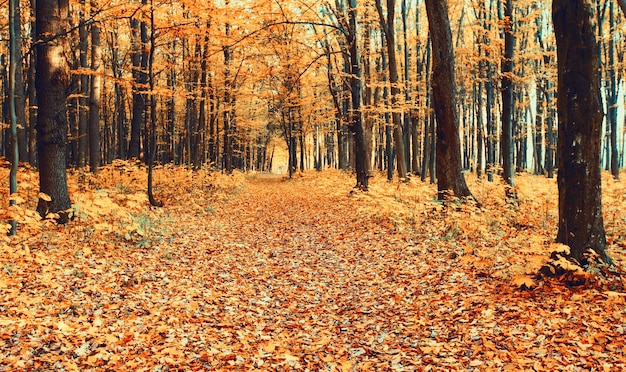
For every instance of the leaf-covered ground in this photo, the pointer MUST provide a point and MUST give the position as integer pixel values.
(263, 273)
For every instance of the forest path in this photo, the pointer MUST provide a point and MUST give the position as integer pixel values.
(263, 273)
(311, 281)
(304, 278)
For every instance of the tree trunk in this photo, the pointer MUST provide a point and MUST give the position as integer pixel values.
(367, 99)
(388, 26)
(356, 120)
(448, 153)
(14, 62)
(612, 97)
(95, 99)
(151, 134)
(51, 80)
(139, 97)
(228, 146)
(120, 100)
(507, 97)
(82, 136)
(19, 92)
(581, 226)
(32, 96)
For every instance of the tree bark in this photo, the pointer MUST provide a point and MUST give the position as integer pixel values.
(612, 97)
(19, 92)
(356, 119)
(51, 81)
(508, 173)
(13, 121)
(448, 153)
(581, 225)
(139, 57)
(388, 26)
(95, 99)
(228, 103)
(83, 102)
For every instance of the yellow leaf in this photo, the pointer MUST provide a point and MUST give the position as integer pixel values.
(45, 197)
(523, 281)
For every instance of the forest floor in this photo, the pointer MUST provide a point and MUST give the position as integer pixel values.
(258, 272)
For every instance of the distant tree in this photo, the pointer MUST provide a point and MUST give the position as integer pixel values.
(580, 114)
(448, 153)
(51, 80)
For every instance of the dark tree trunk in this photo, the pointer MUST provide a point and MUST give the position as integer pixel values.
(367, 100)
(19, 92)
(139, 61)
(32, 97)
(51, 80)
(612, 97)
(480, 133)
(151, 133)
(408, 110)
(120, 100)
(538, 130)
(82, 136)
(388, 26)
(581, 226)
(95, 99)
(551, 133)
(14, 62)
(507, 97)
(448, 153)
(227, 153)
(356, 120)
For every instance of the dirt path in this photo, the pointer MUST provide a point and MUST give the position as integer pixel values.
(310, 281)
(300, 279)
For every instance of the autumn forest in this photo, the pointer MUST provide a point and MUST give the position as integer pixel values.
(340, 185)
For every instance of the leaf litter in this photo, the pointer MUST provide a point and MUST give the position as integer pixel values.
(260, 272)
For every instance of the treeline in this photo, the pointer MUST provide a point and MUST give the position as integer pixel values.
(415, 87)
(229, 77)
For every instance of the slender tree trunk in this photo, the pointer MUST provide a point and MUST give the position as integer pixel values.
(367, 99)
(538, 130)
(551, 134)
(507, 98)
(139, 87)
(95, 98)
(32, 96)
(480, 133)
(228, 147)
(151, 134)
(51, 80)
(356, 120)
(19, 92)
(388, 26)
(449, 176)
(408, 110)
(83, 102)
(612, 96)
(581, 226)
(120, 100)
(389, 149)
(14, 62)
